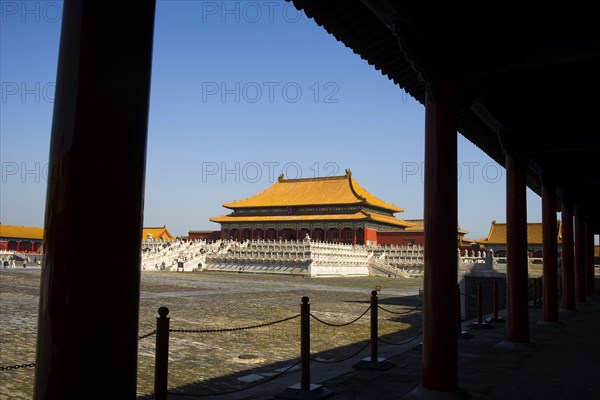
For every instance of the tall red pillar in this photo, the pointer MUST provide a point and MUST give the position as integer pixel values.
(580, 240)
(589, 260)
(440, 362)
(550, 243)
(517, 301)
(87, 341)
(568, 256)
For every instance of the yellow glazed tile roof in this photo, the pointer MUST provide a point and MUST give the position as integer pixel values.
(418, 225)
(21, 232)
(313, 192)
(389, 220)
(497, 234)
(359, 216)
(157, 233)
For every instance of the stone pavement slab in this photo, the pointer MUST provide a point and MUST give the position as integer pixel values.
(560, 362)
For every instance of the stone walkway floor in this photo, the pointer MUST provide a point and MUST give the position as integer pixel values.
(561, 361)
(215, 362)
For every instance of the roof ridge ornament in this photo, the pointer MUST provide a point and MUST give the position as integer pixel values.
(358, 196)
(280, 179)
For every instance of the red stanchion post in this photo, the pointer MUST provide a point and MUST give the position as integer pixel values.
(373, 362)
(305, 390)
(305, 344)
(161, 366)
(374, 333)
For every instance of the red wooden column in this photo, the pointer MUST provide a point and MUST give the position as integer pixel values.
(550, 243)
(87, 341)
(580, 240)
(440, 362)
(589, 260)
(517, 302)
(568, 256)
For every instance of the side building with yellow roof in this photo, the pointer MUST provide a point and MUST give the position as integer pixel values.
(22, 239)
(333, 209)
(496, 239)
(29, 239)
(157, 233)
(415, 235)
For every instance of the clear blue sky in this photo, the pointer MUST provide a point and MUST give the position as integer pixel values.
(241, 92)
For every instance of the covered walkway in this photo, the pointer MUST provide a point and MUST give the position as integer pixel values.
(518, 80)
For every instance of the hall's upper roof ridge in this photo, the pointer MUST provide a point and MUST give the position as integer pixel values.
(315, 191)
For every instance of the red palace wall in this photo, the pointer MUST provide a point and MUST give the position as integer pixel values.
(204, 235)
(370, 235)
(400, 238)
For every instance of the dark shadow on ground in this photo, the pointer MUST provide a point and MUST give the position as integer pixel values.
(411, 315)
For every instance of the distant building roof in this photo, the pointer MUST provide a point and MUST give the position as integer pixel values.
(497, 234)
(157, 233)
(419, 226)
(332, 190)
(21, 232)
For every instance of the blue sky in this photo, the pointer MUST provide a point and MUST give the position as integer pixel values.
(241, 92)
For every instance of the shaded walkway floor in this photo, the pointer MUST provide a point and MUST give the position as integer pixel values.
(561, 361)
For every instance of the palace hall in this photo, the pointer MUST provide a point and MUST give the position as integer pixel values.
(332, 209)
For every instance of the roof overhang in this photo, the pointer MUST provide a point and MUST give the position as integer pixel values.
(526, 71)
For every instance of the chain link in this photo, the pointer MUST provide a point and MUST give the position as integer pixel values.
(17, 366)
(403, 342)
(338, 325)
(401, 312)
(232, 329)
(147, 335)
(343, 359)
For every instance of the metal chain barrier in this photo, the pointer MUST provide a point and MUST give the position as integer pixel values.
(8, 368)
(163, 330)
(31, 365)
(401, 312)
(147, 335)
(233, 329)
(268, 379)
(343, 359)
(401, 343)
(338, 325)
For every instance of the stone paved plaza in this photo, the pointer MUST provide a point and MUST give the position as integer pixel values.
(213, 362)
